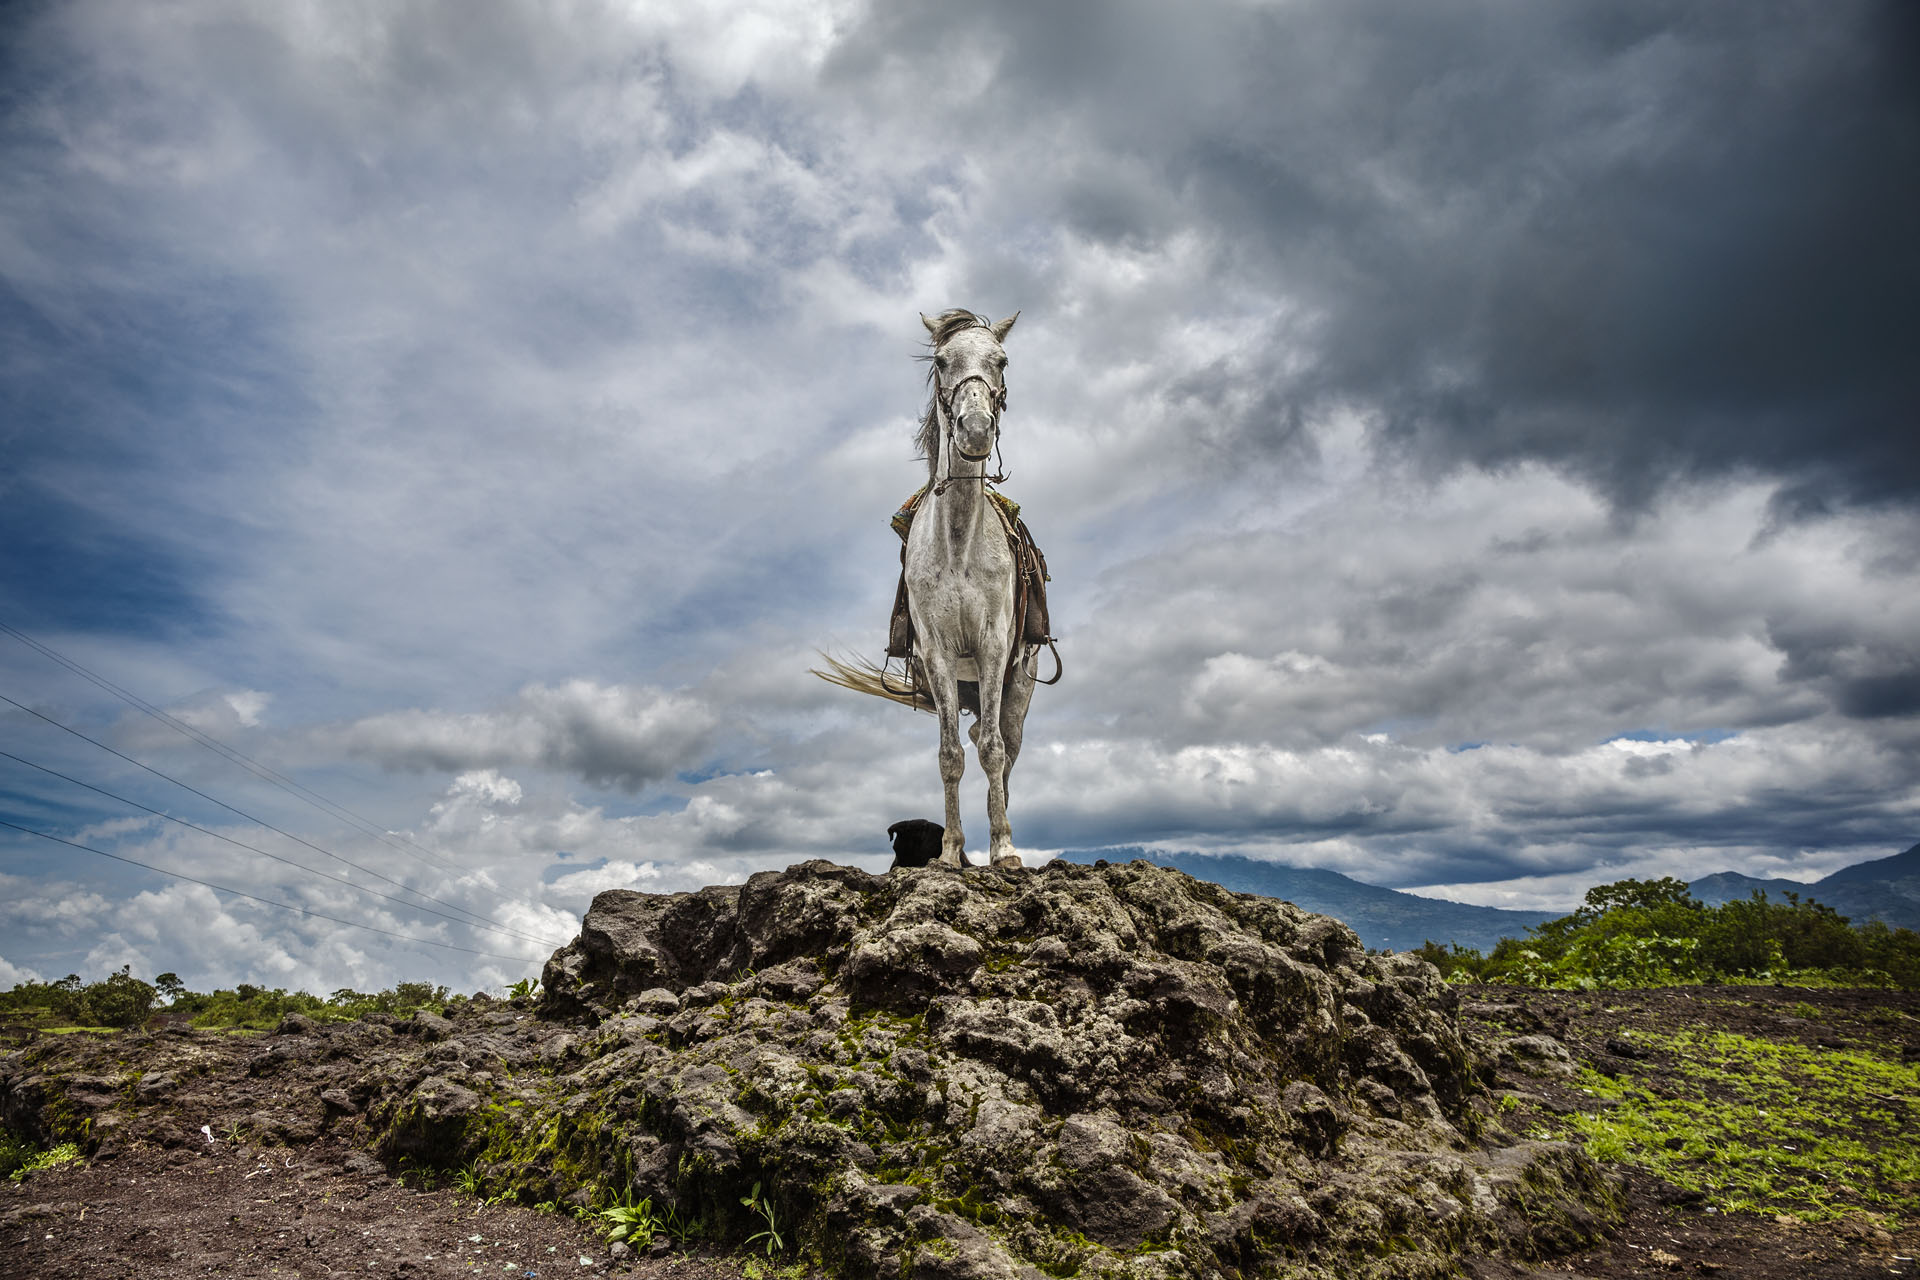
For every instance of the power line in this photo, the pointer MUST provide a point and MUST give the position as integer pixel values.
(249, 817)
(239, 893)
(411, 906)
(299, 791)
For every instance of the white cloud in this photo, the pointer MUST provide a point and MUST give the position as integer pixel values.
(51, 908)
(485, 787)
(12, 975)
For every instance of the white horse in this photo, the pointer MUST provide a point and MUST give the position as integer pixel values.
(962, 581)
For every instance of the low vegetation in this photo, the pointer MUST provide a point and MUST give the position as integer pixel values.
(122, 1000)
(18, 1158)
(1653, 933)
(1764, 1126)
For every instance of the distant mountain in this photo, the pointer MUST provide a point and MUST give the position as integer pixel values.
(1730, 886)
(1897, 869)
(1385, 919)
(1886, 889)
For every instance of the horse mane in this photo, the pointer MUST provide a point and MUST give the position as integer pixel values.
(951, 321)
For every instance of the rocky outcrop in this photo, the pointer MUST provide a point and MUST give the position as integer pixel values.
(1110, 1071)
(1113, 1070)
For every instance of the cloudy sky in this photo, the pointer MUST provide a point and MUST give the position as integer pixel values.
(1474, 444)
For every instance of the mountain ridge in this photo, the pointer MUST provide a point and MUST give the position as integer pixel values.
(1884, 889)
(1385, 919)
(1901, 866)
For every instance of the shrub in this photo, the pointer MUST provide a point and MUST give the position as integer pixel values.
(121, 1000)
(1640, 933)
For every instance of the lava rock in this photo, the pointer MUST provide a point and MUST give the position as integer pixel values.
(1541, 1054)
(1118, 1069)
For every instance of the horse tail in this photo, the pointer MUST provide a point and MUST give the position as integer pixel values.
(862, 676)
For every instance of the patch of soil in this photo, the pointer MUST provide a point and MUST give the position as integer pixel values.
(317, 1210)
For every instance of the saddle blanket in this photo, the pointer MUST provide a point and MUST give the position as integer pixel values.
(903, 518)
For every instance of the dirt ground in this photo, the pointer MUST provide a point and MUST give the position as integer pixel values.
(318, 1210)
(213, 1208)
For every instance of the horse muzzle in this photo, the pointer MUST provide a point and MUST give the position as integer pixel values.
(973, 440)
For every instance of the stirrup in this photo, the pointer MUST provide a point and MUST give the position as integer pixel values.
(911, 690)
(1059, 668)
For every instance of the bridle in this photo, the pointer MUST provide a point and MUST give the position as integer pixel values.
(943, 397)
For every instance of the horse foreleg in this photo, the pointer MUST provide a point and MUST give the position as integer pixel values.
(953, 758)
(990, 742)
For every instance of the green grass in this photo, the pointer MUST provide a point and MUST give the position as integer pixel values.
(1810, 979)
(18, 1159)
(1768, 1127)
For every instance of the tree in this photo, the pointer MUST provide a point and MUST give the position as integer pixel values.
(1647, 895)
(119, 1000)
(63, 997)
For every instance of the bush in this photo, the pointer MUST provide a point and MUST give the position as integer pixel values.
(1455, 962)
(122, 1000)
(247, 1005)
(1894, 952)
(403, 999)
(60, 1000)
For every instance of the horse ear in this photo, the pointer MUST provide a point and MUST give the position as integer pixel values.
(1000, 330)
(933, 326)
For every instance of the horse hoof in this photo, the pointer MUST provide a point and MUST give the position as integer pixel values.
(1008, 862)
(953, 860)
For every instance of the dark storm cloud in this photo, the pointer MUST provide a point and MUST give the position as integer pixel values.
(1642, 242)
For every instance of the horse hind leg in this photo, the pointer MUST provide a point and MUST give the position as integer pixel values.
(1015, 698)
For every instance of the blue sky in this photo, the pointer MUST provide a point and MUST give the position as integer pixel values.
(481, 413)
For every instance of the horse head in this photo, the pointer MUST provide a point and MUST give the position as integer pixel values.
(969, 384)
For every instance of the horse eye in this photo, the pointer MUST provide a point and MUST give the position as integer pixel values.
(940, 361)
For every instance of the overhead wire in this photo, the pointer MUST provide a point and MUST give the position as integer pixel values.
(477, 917)
(234, 755)
(324, 875)
(254, 897)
